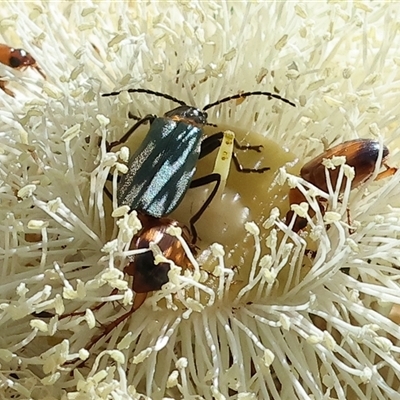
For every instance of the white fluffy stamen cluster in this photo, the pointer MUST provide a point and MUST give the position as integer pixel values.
(283, 326)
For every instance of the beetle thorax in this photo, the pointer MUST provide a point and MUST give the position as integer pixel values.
(188, 114)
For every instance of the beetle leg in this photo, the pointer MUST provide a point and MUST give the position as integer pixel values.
(124, 138)
(256, 148)
(200, 182)
(78, 313)
(43, 314)
(240, 168)
(36, 67)
(112, 325)
(132, 116)
(108, 328)
(5, 90)
(210, 143)
(108, 193)
(349, 221)
(138, 301)
(388, 172)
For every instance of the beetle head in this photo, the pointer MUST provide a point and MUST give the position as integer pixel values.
(20, 58)
(188, 114)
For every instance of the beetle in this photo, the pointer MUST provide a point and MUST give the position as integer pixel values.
(147, 275)
(162, 169)
(361, 154)
(16, 59)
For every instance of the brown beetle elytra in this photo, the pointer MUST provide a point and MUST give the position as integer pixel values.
(361, 154)
(148, 276)
(17, 59)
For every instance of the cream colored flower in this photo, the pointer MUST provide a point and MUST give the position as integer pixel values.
(255, 318)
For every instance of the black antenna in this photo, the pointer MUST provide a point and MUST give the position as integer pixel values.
(247, 94)
(148, 91)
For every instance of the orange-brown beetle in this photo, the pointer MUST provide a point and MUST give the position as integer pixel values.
(361, 154)
(17, 59)
(148, 276)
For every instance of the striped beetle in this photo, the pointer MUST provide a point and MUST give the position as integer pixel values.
(161, 170)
